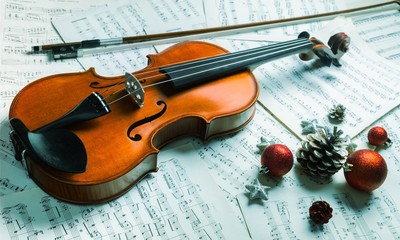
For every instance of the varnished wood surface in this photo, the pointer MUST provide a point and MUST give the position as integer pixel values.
(220, 106)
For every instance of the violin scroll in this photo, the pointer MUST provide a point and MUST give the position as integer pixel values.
(338, 45)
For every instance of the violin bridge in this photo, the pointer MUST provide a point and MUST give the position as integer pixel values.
(134, 88)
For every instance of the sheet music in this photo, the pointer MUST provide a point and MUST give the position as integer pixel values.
(180, 201)
(228, 12)
(232, 161)
(129, 18)
(13, 178)
(381, 32)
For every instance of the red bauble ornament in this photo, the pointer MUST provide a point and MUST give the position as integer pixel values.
(378, 136)
(277, 159)
(367, 170)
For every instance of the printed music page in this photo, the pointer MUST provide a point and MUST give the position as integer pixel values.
(129, 18)
(180, 201)
(227, 12)
(173, 201)
(381, 31)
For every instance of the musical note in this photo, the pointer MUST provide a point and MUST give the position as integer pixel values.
(13, 177)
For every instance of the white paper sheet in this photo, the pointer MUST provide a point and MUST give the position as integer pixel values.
(245, 11)
(129, 18)
(233, 161)
(13, 178)
(381, 32)
(179, 201)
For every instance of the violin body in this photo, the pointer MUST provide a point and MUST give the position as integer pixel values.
(122, 146)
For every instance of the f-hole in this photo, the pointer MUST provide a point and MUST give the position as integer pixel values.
(138, 137)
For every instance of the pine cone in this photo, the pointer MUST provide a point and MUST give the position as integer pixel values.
(323, 153)
(337, 113)
(320, 212)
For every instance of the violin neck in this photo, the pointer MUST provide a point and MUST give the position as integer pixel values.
(198, 71)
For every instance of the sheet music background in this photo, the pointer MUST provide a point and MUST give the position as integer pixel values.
(232, 160)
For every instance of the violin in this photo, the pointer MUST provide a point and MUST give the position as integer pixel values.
(86, 138)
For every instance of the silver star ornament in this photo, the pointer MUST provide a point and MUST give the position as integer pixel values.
(257, 191)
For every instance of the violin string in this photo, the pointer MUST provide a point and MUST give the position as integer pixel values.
(213, 63)
(110, 88)
(198, 61)
(218, 66)
(216, 60)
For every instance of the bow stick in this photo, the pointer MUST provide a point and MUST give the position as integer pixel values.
(86, 47)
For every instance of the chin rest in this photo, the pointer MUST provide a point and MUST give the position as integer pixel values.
(58, 148)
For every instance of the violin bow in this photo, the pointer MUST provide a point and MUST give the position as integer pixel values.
(86, 47)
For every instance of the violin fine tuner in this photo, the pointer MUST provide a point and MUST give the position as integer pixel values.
(134, 89)
(83, 147)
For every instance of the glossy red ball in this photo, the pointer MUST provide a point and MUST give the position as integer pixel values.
(377, 136)
(368, 170)
(278, 159)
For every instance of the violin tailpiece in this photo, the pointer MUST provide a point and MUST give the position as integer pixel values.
(91, 107)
